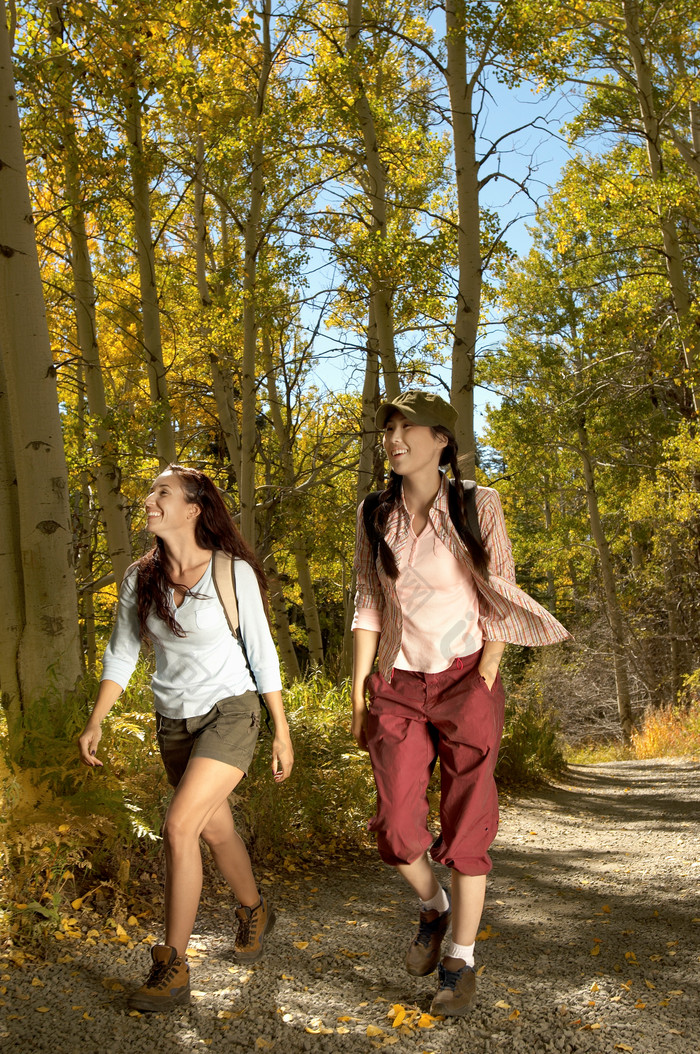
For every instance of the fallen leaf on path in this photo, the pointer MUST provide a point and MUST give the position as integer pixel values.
(502, 1004)
(301, 945)
(622, 1046)
(373, 1030)
(514, 1015)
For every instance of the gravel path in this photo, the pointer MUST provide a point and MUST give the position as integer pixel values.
(589, 944)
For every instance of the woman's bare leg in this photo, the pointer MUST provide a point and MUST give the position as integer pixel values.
(196, 805)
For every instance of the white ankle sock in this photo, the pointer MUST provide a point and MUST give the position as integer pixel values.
(439, 901)
(465, 952)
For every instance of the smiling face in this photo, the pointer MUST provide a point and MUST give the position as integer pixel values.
(412, 448)
(167, 507)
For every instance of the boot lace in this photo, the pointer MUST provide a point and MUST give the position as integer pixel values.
(159, 975)
(426, 928)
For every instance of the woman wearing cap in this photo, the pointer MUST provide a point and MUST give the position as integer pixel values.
(436, 605)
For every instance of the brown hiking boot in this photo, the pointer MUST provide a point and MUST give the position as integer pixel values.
(456, 989)
(423, 952)
(253, 924)
(168, 982)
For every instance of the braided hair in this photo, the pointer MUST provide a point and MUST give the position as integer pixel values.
(390, 498)
(214, 529)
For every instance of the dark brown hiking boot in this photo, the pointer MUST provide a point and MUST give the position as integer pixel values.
(456, 989)
(423, 952)
(168, 982)
(253, 924)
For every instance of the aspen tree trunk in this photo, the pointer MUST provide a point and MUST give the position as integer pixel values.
(680, 291)
(145, 254)
(612, 606)
(221, 384)
(376, 175)
(279, 610)
(12, 593)
(84, 558)
(366, 473)
(551, 587)
(48, 655)
(461, 92)
(251, 245)
(298, 542)
(107, 471)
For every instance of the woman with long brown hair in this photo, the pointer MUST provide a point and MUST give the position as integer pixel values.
(205, 686)
(436, 604)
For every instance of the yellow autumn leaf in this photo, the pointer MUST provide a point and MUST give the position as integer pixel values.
(480, 970)
(595, 987)
(263, 1044)
(63, 828)
(132, 921)
(639, 1005)
(487, 934)
(86, 1017)
(595, 950)
(342, 1030)
(514, 1015)
(301, 945)
(398, 1020)
(676, 991)
(426, 1021)
(224, 1015)
(631, 957)
(622, 1046)
(649, 984)
(42, 1010)
(373, 1030)
(502, 1004)
(606, 909)
(345, 1018)
(36, 983)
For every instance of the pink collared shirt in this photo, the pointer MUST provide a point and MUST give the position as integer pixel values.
(506, 613)
(434, 589)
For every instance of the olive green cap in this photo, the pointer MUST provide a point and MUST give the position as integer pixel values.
(420, 408)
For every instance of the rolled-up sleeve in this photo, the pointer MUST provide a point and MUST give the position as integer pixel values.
(255, 630)
(122, 652)
(494, 534)
(368, 595)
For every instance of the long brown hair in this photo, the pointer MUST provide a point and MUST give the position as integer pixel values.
(214, 529)
(390, 498)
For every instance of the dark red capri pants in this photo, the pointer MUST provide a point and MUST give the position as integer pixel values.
(413, 721)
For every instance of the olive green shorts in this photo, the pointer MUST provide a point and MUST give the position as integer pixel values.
(227, 733)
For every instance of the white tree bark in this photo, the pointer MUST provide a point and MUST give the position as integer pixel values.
(12, 592)
(469, 280)
(49, 656)
(145, 254)
(607, 573)
(107, 471)
(377, 180)
(673, 255)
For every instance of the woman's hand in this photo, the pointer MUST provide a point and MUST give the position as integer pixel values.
(88, 742)
(490, 660)
(359, 722)
(282, 756)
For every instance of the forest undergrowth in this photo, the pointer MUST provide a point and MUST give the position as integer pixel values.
(79, 844)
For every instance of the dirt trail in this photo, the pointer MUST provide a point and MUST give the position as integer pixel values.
(591, 931)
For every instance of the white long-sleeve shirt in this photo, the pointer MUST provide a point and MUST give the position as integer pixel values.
(194, 672)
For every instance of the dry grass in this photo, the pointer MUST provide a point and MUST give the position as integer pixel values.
(663, 733)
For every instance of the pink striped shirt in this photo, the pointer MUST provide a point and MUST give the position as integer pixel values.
(506, 613)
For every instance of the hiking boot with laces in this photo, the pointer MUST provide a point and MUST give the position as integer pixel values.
(168, 982)
(423, 952)
(253, 924)
(456, 989)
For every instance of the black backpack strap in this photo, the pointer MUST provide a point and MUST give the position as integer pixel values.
(470, 506)
(368, 510)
